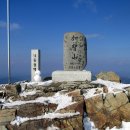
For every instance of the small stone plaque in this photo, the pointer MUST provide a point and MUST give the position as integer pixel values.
(75, 51)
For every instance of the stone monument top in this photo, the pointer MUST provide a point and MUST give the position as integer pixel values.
(75, 51)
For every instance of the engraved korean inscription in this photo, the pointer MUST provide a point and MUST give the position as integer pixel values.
(75, 51)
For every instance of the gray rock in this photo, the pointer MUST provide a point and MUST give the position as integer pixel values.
(75, 48)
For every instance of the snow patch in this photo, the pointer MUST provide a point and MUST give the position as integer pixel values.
(125, 126)
(111, 85)
(63, 100)
(19, 120)
(25, 94)
(46, 83)
(52, 127)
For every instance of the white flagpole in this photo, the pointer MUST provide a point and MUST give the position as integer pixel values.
(8, 41)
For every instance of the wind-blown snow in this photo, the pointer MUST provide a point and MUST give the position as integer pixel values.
(52, 127)
(19, 120)
(125, 126)
(46, 83)
(25, 94)
(91, 92)
(111, 85)
(63, 100)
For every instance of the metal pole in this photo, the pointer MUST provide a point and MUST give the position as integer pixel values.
(8, 41)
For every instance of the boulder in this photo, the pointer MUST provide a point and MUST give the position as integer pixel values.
(7, 115)
(125, 112)
(35, 109)
(11, 90)
(110, 76)
(108, 111)
(70, 123)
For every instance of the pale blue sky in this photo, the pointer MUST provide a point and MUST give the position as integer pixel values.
(42, 24)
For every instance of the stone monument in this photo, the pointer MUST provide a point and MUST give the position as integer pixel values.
(75, 51)
(75, 59)
(35, 62)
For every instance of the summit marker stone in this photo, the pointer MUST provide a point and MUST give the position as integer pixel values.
(75, 51)
(75, 59)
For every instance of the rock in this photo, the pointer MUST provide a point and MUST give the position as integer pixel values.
(85, 86)
(7, 115)
(12, 90)
(75, 48)
(125, 112)
(3, 128)
(110, 76)
(35, 109)
(2, 93)
(65, 76)
(71, 123)
(75, 93)
(78, 106)
(107, 111)
(105, 89)
(47, 78)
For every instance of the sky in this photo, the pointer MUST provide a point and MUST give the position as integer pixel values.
(41, 24)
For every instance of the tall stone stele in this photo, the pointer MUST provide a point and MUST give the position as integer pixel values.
(75, 51)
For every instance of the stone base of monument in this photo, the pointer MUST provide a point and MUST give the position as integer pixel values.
(60, 76)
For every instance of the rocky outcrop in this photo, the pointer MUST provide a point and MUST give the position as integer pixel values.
(7, 115)
(104, 108)
(110, 76)
(71, 123)
(109, 110)
(34, 109)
